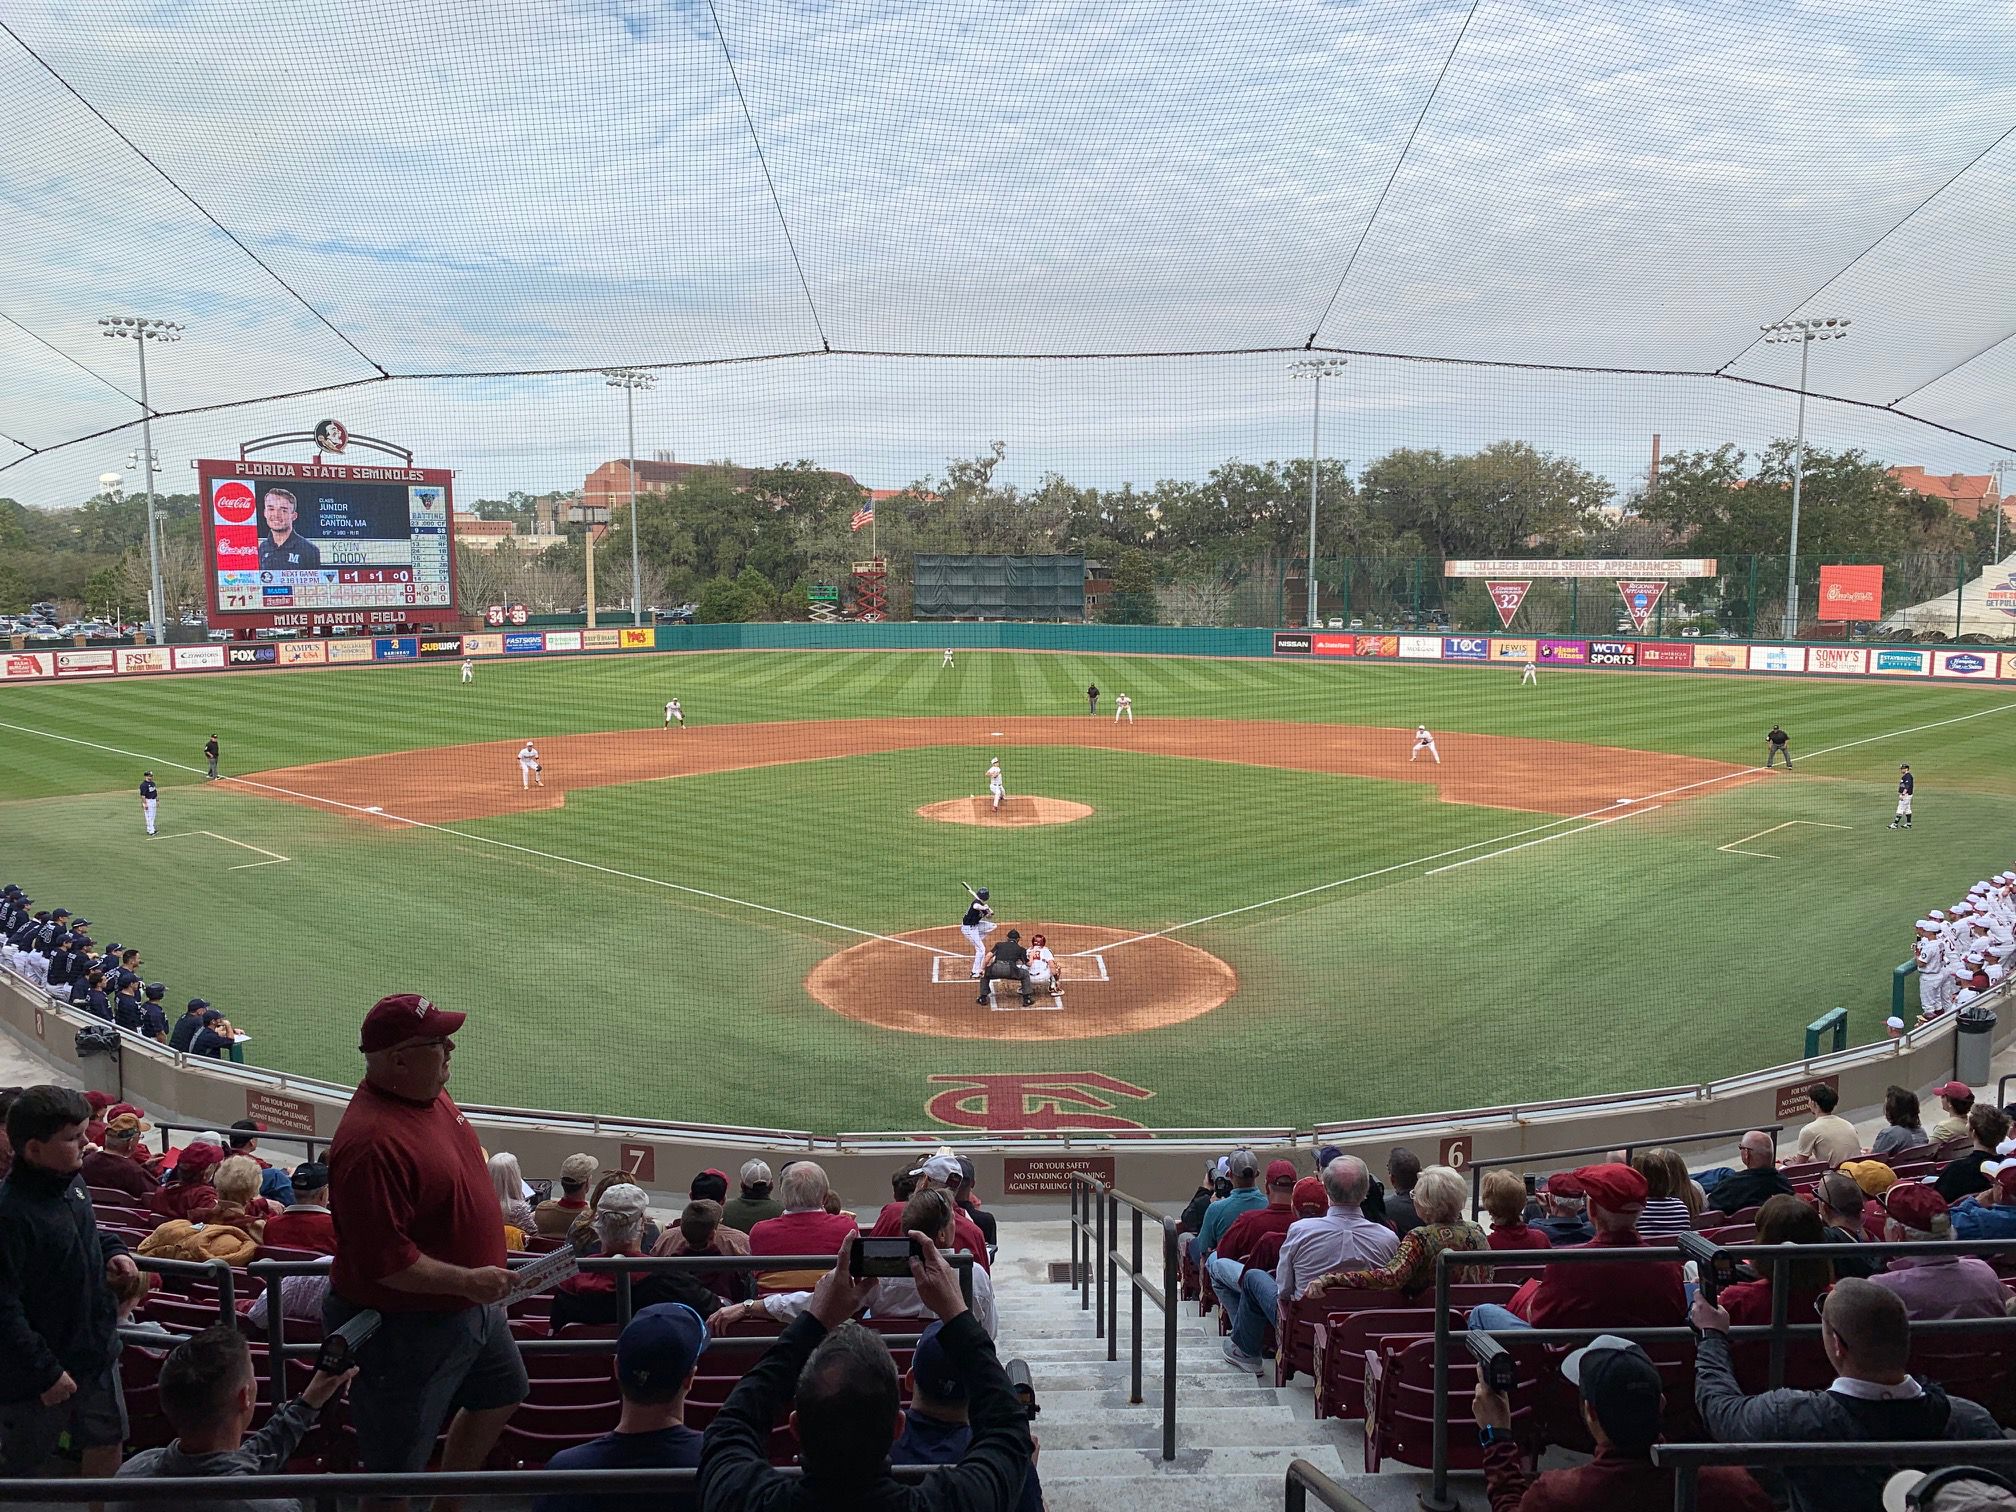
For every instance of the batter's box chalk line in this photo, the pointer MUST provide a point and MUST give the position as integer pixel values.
(1734, 846)
(957, 971)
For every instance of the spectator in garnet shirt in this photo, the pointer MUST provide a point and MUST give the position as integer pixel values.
(939, 1173)
(804, 1228)
(113, 1167)
(1645, 1295)
(1309, 1200)
(1782, 1220)
(305, 1224)
(1504, 1198)
(1227, 1265)
(188, 1192)
(418, 1241)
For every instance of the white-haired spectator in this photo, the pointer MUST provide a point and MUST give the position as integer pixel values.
(805, 1227)
(753, 1203)
(1342, 1237)
(514, 1197)
(1935, 1286)
(1438, 1225)
(589, 1296)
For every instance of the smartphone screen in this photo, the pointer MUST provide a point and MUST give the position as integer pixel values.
(882, 1257)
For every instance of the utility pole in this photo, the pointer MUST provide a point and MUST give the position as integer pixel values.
(630, 380)
(141, 331)
(1315, 369)
(1805, 332)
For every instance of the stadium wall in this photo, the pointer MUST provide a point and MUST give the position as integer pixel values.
(1024, 1172)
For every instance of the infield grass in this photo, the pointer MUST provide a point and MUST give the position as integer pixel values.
(1633, 954)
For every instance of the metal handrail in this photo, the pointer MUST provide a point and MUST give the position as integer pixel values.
(1305, 1480)
(1779, 1331)
(1090, 1240)
(1689, 1460)
(1545, 1159)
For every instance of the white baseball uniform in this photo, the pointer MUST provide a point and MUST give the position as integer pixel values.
(1043, 968)
(994, 783)
(1123, 705)
(672, 712)
(468, 671)
(1530, 675)
(528, 766)
(1932, 979)
(948, 658)
(1423, 741)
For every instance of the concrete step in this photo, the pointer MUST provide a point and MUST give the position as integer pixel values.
(1089, 1402)
(1259, 1428)
(1223, 1492)
(1271, 1461)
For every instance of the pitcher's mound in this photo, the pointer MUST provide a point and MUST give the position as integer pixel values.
(1015, 813)
(1125, 986)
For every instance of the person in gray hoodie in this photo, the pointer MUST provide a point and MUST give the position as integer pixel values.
(209, 1394)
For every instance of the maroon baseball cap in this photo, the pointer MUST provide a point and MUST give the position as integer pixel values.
(1914, 1205)
(405, 1016)
(1612, 1187)
(1958, 1091)
(1566, 1184)
(1280, 1173)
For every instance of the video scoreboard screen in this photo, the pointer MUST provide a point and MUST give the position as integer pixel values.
(308, 545)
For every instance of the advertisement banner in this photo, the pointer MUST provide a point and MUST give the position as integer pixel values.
(1963, 663)
(1427, 647)
(1851, 593)
(303, 653)
(1514, 650)
(601, 640)
(520, 641)
(1899, 663)
(1613, 654)
(1466, 648)
(1332, 645)
(1506, 597)
(252, 656)
(349, 651)
(144, 658)
(1576, 652)
(1836, 659)
(396, 648)
(1368, 645)
(639, 640)
(1777, 658)
(441, 645)
(15, 664)
(1641, 597)
(482, 645)
(563, 640)
(1720, 658)
(2008, 665)
(1291, 643)
(198, 658)
(1664, 654)
(2001, 595)
(84, 664)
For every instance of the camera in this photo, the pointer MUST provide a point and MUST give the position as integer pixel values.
(339, 1349)
(1025, 1389)
(1716, 1266)
(881, 1257)
(1495, 1366)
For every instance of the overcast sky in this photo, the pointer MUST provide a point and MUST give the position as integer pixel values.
(347, 190)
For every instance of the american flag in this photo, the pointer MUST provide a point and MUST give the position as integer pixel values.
(865, 515)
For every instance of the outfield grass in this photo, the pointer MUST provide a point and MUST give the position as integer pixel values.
(1631, 955)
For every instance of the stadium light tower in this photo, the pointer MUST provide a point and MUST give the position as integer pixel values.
(141, 331)
(1805, 333)
(630, 380)
(1315, 369)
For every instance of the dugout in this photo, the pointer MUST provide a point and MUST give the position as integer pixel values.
(999, 587)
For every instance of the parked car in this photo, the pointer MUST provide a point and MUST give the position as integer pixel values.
(219, 635)
(44, 634)
(678, 614)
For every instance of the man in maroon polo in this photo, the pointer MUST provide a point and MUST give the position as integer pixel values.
(1645, 1295)
(418, 1241)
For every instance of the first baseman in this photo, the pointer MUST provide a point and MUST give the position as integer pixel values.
(1423, 741)
(149, 799)
(976, 925)
(994, 781)
(672, 712)
(1906, 786)
(528, 766)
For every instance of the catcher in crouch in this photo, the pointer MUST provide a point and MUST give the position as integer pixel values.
(1043, 970)
(1010, 963)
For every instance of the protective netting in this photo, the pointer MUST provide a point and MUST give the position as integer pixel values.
(470, 210)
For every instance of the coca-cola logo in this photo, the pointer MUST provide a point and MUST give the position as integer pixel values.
(234, 502)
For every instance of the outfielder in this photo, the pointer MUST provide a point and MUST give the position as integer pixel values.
(1423, 741)
(994, 781)
(150, 797)
(1123, 705)
(976, 926)
(1906, 786)
(1530, 678)
(948, 659)
(672, 712)
(528, 766)
(468, 670)
(1043, 967)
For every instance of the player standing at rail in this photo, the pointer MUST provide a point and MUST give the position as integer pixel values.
(529, 767)
(1423, 741)
(976, 925)
(994, 781)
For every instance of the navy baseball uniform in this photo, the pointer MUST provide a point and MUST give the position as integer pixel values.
(1906, 786)
(149, 794)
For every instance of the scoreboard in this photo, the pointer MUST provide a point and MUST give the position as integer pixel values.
(327, 545)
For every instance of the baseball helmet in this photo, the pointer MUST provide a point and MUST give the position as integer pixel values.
(981, 894)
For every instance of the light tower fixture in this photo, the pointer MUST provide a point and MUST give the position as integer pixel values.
(1805, 331)
(140, 330)
(630, 380)
(1314, 370)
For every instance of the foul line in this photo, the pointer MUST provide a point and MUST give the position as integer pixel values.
(442, 829)
(243, 865)
(1557, 835)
